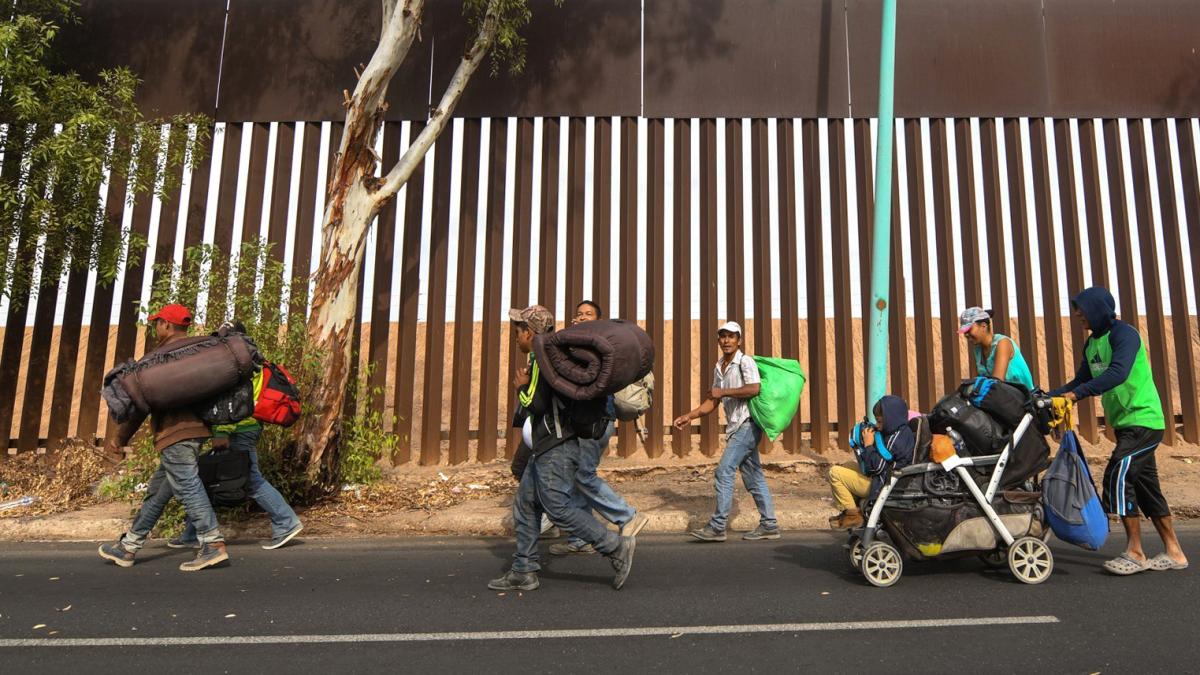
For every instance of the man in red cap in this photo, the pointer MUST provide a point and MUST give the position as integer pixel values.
(178, 435)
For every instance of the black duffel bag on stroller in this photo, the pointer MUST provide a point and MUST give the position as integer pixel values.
(1004, 401)
(981, 433)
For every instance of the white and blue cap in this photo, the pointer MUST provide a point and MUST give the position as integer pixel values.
(730, 327)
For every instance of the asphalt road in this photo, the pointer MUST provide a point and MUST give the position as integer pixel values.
(421, 605)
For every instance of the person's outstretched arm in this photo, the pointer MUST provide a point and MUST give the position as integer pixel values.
(705, 408)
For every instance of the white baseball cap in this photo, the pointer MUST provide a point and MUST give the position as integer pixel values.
(730, 327)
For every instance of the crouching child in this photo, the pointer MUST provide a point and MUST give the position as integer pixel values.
(879, 449)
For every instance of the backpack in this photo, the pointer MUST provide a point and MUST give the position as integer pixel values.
(588, 419)
(981, 433)
(634, 400)
(1073, 508)
(226, 476)
(1004, 401)
(231, 407)
(279, 400)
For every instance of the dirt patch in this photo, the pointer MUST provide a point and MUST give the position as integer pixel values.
(59, 481)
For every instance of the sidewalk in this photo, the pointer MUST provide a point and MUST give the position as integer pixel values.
(476, 500)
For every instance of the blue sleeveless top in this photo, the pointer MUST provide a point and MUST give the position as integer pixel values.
(1018, 369)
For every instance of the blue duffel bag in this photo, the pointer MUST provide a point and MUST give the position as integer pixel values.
(1073, 508)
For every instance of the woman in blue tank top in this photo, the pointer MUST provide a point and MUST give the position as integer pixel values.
(995, 355)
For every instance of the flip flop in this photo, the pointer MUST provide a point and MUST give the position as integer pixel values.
(1163, 562)
(1124, 566)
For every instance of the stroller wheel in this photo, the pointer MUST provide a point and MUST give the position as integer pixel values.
(854, 549)
(1030, 560)
(882, 564)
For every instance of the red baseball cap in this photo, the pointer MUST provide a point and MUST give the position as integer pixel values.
(176, 314)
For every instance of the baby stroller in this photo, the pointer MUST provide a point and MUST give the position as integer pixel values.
(962, 503)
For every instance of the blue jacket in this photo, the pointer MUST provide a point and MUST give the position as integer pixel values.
(894, 445)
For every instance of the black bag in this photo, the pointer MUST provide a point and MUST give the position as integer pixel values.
(588, 419)
(226, 476)
(1006, 402)
(982, 434)
(1030, 457)
(231, 407)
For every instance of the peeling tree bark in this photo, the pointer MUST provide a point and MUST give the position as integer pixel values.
(355, 197)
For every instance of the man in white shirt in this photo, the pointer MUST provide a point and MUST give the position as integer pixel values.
(735, 382)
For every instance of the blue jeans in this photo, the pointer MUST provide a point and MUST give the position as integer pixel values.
(741, 452)
(177, 475)
(283, 518)
(546, 486)
(594, 493)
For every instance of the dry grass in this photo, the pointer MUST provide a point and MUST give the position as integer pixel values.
(60, 481)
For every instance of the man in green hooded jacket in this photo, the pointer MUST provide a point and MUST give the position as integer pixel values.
(1115, 368)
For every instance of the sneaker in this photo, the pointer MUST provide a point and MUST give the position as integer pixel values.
(117, 553)
(571, 548)
(761, 532)
(847, 520)
(180, 542)
(515, 581)
(546, 524)
(283, 538)
(622, 561)
(635, 525)
(207, 556)
(553, 533)
(706, 533)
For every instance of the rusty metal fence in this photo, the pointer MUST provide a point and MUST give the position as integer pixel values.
(679, 224)
(681, 162)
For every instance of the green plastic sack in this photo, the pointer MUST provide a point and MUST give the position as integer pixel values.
(779, 394)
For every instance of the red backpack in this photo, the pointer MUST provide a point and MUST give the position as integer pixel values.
(279, 400)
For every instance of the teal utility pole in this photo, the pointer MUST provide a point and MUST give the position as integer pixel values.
(877, 354)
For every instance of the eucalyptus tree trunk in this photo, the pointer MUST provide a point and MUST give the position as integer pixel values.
(354, 197)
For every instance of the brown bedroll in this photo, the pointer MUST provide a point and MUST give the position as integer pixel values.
(193, 370)
(594, 359)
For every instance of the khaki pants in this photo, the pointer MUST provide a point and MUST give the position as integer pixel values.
(848, 485)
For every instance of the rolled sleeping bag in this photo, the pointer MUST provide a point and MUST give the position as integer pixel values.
(120, 405)
(193, 370)
(594, 359)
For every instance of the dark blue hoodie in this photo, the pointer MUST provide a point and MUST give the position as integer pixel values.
(897, 439)
(898, 436)
(1100, 309)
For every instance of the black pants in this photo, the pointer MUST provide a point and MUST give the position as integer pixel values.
(1131, 477)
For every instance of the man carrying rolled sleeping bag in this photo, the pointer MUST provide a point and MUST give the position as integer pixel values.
(168, 385)
(183, 372)
(558, 421)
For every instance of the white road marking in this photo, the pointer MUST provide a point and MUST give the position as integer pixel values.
(647, 631)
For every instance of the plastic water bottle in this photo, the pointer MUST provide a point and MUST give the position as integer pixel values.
(17, 503)
(955, 438)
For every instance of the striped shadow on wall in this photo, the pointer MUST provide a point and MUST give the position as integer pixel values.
(679, 224)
